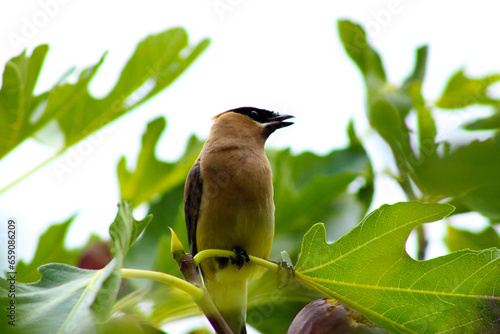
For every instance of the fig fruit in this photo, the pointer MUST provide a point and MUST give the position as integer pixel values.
(97, 256)
(324, 316)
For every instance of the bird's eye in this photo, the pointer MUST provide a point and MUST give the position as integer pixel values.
(254, 114)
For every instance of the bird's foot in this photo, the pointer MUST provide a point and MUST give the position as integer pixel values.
(284, 278)
(241, 257)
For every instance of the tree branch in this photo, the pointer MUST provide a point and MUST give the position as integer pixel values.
(187, 267)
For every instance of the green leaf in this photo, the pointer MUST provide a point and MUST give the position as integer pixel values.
(62, 300)
(17, 103)
(271, 310)
(459, 239)
(370, 270)
(125, 230)
(157, 61)
(426, 125)
(67, 298)
(178, 305)
(485, 198)
(388, 105)
(386, 118)
(168, 212)
(311, 188)
(418, 74)
(353, 38)
(318, 192)
(462, 91)
(130, 324)
(468, 173)
(488, 123)
(151, 176)
(50, 249)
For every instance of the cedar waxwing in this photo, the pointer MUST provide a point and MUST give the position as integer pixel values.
(228, 204)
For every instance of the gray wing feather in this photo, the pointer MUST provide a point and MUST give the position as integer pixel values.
(192, 198)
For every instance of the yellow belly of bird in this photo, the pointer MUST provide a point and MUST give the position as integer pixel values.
(229, 228)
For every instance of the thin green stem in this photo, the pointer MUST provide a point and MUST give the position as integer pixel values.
(265, 263)
(195, 292)
(128, 300)
(209, 253)
(422, 242)
(206, 304)
(404, 181)
(42, 164)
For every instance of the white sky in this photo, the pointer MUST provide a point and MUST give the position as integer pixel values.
(281, 55)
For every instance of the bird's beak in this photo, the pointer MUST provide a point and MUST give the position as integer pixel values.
(275, 123)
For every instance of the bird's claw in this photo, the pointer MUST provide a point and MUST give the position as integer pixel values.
(241, 257)
(283, 279)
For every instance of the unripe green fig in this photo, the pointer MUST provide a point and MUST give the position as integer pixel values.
(328, 316)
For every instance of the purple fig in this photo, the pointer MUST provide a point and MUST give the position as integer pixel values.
(328, 316)
(96, 256)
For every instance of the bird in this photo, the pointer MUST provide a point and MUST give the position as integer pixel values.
(228, 204)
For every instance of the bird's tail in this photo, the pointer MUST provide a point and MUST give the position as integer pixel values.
(230, 297)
